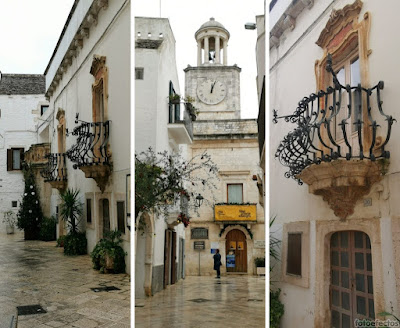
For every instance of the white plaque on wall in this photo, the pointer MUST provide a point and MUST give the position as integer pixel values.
(214, 245)
(259, 244)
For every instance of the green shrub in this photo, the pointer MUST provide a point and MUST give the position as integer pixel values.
(259, 262)
(75, 244)
(60, 241)
(48, 229)
(109, 245)
(276, 309)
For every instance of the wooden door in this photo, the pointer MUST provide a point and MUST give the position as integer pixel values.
(236, 245)
(173, 258)
(106, 216)
(167, 257)
(351, 289)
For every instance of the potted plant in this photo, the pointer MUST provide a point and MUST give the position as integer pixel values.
(260, 265)
(108, 256)
(174, 99)
(9, 219)
(71, 210)
(182, 217)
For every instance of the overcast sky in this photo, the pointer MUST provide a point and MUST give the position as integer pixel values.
(29, 31)
(186, 17)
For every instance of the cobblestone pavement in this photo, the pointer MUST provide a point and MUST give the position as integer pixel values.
(232, 301)
(35, 272)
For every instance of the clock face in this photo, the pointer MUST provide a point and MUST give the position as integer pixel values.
(211, 92)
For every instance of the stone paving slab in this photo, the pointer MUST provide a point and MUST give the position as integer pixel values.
(36, 272)
(225, 303)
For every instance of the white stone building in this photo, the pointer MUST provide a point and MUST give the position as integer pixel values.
(88, 120)
(22, 103)
(234, 223)
(340, 254)
(159, 253)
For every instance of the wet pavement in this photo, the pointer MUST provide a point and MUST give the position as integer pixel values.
(232, 301)
(35, 272)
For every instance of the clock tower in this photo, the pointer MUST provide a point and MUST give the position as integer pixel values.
(213, 83)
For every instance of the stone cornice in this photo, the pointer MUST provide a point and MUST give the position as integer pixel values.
(77, 43)
(288, 20)
(212, 67)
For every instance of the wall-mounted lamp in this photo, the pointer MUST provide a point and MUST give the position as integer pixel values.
(199, 200)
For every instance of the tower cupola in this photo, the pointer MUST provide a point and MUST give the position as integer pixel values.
(212, 43)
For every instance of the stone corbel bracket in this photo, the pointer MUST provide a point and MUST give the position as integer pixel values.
(341, 183)
(288, 20)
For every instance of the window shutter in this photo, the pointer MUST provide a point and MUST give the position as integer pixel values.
(9, 160)
(21, 157)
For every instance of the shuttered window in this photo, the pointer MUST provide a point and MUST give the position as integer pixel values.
(294, 254)
(121, 216)
(15, 157)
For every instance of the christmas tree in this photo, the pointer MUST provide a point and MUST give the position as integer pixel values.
(30, 213)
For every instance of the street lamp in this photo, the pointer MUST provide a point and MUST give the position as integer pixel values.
(199, 200)
(250, 26)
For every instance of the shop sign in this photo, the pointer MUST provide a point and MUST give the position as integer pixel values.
(235, 212)
(230, 261)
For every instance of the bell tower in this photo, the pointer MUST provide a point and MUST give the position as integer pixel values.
(213, 84)
(212, 44)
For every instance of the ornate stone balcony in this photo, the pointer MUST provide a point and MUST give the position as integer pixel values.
(55, 171)
(338, 146)
(91, 152)
(36, 155)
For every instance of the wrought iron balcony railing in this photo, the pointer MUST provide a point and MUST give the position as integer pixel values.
(55, 169)
(177, 116)
(91, 147)
(321, 134)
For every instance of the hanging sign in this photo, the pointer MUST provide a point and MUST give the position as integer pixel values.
(230, 261)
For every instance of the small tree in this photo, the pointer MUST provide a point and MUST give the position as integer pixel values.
(161, 179)
(71, 209)
(30, 213)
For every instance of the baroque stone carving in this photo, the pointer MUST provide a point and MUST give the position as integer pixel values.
(337, 20)
(341, 183)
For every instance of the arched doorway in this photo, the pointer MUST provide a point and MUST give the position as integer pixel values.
(351, 288)
(236, 251)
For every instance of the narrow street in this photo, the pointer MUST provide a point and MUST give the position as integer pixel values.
(232, 301)
(36, 272)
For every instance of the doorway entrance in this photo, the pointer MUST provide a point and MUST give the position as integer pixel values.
(106, 215)
(351, 289)
(236, 251)
(170, 258)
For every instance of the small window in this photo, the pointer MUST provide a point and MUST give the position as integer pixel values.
(14, 203)
(88, 210)
(43, 109)
(139, 73)
(15, 157)
(235, 193)
(294, 254)
(121, 216)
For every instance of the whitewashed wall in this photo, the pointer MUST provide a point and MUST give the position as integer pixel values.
(18, 126)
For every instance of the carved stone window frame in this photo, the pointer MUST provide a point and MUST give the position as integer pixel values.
(341, 31)
(100, 72)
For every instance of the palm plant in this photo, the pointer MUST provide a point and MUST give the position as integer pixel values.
(71, 209)
(273, 246)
